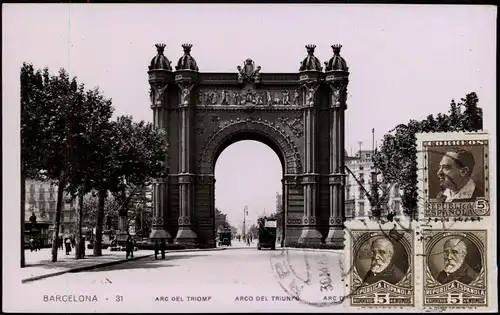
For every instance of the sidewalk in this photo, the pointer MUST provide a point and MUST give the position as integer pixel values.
(40, 266)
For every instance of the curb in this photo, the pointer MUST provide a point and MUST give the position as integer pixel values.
(83, 268)
(109, 263)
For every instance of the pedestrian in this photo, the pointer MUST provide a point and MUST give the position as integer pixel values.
(163, 246)
(61, 243)
(82, 247)
(129, 247)
(68, 246)
(248, 241)
(32, 244)
(157, 249)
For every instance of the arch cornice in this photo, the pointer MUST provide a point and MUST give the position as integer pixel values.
(283, 142)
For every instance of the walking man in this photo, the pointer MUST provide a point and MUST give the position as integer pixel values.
(129, 247)
(163, 246)
(157, 247)
(68, 246)
(32, 244)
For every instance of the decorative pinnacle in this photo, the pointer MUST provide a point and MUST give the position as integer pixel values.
(160, 48)
(310, 48)
(187, 48)
(336, 49)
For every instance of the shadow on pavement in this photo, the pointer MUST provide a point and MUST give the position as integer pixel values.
(146, 263)
(74, 263)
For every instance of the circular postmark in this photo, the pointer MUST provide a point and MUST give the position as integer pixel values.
(313, 278)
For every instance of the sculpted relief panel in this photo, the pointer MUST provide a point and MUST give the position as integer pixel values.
(248, 97)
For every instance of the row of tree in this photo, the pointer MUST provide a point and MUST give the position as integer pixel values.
(396, 158)
(68, 137)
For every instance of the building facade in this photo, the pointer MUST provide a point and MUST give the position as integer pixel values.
(357, 203)
(41, 200)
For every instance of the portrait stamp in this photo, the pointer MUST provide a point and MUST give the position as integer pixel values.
(454, 175)
(381, 261)
(455, 267)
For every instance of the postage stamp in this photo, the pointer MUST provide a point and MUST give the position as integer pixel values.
(455, 266)
(454, 175)
(381, 260)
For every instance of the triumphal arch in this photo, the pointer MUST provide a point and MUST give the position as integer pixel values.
(299, 115)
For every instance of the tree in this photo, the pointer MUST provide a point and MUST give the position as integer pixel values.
(87, 125)
(128, 153)
(396, 158)
(220, 218)
(90, 205)
(45, 130)
(32, 97)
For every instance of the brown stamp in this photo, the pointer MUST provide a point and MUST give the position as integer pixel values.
(382, 263)
(455, 174)
(455, 268)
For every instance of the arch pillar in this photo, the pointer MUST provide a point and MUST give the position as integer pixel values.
(310, 179)
(160, 81)
(186, 81)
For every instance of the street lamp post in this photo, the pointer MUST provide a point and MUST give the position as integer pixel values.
(245, 213)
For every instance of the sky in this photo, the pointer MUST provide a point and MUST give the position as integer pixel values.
(406, 61)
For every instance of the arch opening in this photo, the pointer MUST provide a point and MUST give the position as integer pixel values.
(248, 171)
(262, 131)
(248, 135)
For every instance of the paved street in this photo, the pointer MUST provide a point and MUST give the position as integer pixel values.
(226, 276)
(224, 279)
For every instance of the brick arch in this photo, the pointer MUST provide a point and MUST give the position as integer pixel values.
(267, 132)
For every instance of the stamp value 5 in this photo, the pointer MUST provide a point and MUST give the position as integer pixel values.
(455, 265)
(455, 180)
(382, 268)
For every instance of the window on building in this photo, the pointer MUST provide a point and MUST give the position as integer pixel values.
(51, 217)
(71, 215)
(396, 190)
(361, 205)
(51, 192)
(368, 155)
(41, 192)
(348, 192)
(396, 205)
(361, 193)
(63, 230)
(361, 167)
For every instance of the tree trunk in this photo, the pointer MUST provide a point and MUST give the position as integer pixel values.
(100, 221)
(57, 221)
(79, 219)
(23, 210)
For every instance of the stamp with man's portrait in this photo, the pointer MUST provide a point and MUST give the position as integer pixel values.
(454, 174)
(455, 267)
(381, 260)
